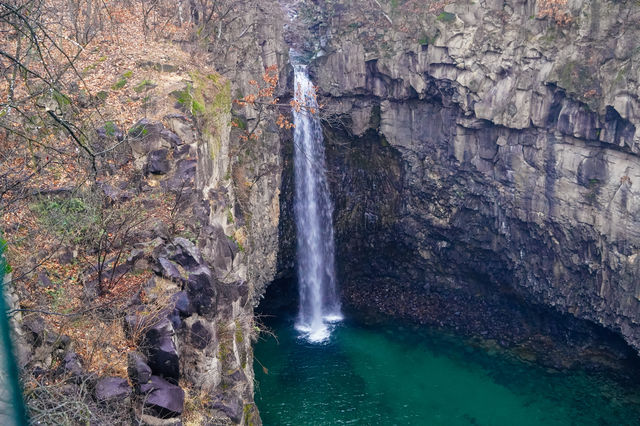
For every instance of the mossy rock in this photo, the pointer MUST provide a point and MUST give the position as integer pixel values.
(144, 85)
(579, 79)
(446, 17)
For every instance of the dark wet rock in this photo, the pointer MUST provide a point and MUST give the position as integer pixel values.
(146, 137)
(199, 335)
(182, 304)
(163, 398)
(237, 376)
(35, 327)
(55, 340)
(137, 368)
(202, 290)
(111, 389)
(146, 129)
(157, 162)
(162, 352)
(71, 366)
(182, 180)
(169, 270)
(135, 255)
(171, 137)
(44, 281)
(185, 253)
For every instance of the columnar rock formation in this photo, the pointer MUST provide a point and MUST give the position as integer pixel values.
(479, 146)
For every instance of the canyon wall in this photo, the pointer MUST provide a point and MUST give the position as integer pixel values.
(480, 149)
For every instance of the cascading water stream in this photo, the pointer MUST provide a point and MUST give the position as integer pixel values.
(319, 304)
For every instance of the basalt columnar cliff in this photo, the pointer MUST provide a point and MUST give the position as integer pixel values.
(483, 158)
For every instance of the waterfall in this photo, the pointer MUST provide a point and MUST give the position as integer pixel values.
(319, 303)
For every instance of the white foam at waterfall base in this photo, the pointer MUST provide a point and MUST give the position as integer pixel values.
(319, 305)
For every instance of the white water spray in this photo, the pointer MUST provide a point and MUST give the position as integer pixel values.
(319, 303)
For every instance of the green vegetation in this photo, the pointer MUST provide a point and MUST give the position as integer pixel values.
(5, 268)
(238, 334)
(119, 84)
(446, 17)
(144, 85)
(124, 79)
(138, 131)
(57, 296)
(68, 218)
(110, 128)
(62, 99)
(235, 240)
(211, 98)
(186, 100)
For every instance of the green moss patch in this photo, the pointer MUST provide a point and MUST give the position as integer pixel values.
(446, 17)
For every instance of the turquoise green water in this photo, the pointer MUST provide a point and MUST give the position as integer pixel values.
(394, 375)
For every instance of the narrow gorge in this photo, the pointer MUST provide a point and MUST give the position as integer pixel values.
(380, 212)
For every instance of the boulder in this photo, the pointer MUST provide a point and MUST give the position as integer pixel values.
(182, 304)
(169, 270)
(138, 369)
(34, 326)
(115, 194)
(44, 281)
(171, 137)
(110, 389)
(163, 398)
(66, 256)
(147, 136)
(185, 253)
(162, 351)
(71, 367)
(200, 336)
(202, 290)
(157, 162)
(182, 179)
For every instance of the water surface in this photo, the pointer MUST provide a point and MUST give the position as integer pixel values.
(406, 376)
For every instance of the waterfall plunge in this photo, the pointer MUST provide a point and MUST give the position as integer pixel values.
(319, 304)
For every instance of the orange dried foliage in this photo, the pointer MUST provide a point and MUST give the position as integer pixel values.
(556, 10)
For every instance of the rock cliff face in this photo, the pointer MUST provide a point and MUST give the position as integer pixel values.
(478, 150)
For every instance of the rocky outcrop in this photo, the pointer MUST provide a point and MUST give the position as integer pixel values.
(477, 149)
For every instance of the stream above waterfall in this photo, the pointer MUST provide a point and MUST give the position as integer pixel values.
(398, 374)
